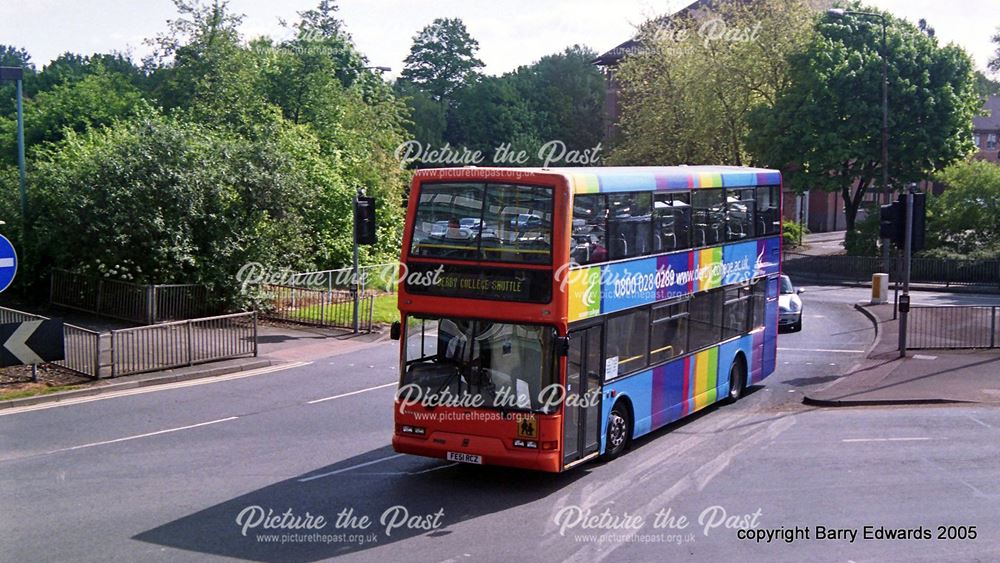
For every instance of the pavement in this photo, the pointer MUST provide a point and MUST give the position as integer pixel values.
(922, 377)
(819, 244)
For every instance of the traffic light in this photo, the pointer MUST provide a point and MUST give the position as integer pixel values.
(919, 220)
(892, 223)
(364, 220)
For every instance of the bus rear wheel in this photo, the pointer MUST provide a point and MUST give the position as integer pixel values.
(737, 380)
(619, 430)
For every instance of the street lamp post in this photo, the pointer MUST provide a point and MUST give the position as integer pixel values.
(16, 74)
(884, 54)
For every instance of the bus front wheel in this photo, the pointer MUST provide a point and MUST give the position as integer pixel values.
(619, 430)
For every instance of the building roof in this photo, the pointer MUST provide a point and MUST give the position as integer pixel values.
(696, 9)
(614, 56)
(991, 121)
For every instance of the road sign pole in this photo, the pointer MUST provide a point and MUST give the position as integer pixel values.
(354, 276)
(904, 311)
(20, 155)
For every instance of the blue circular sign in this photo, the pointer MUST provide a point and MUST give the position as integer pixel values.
(8, 263)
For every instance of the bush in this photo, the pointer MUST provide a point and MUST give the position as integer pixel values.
(863, 240)
(157, 200)
(792, 232)
(965, 219)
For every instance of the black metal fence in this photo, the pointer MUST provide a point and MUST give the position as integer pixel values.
(952, 326)
(377, 278)
(83, 346)
(183, 343)
(142, 304)
(154, 347)
(859, 269)
(317, 307)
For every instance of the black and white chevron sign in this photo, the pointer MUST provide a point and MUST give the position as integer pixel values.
(31, 342)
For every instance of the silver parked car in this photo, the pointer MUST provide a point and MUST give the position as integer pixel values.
(789, 306)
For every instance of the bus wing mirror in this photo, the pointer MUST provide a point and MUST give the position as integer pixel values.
(395, 329)
(562, 346)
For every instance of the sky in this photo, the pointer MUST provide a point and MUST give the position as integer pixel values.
(510, 32)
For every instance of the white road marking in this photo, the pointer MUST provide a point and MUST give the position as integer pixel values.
(358, 466)
(885, 439)
(153, 388)
(148, 434)
(923, 357)
(351, 393)
(821, 350)
(980, 422)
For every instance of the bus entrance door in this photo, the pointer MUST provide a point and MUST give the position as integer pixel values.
(581, 415)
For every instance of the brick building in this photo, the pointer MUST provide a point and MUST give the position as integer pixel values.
(986, 131)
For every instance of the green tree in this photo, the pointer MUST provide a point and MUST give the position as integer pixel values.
(318, 80)
(442, 58)
(161, 200)
(96, 99)
(488, 113)
(427, 119)
(824, 130)
(70, 67)
(201, 67)
(687, 94)
(565, 96)
(964, 221)
(985, 86)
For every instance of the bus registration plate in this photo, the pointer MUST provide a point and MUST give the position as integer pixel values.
(465, 458)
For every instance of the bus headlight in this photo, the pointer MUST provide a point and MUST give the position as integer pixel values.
(413, 430)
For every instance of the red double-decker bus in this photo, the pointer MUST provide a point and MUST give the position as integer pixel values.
(550, 316)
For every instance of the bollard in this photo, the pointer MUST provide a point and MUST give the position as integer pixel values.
(880, 289)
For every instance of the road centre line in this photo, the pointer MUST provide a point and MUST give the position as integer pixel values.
(920, 439)
(351, 393)
(153, 388)
(146, 435)
(821, 350)
(358, 466)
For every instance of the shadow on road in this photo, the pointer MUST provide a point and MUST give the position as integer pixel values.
(461, 492)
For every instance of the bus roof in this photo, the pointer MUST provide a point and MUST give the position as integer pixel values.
(642, 178)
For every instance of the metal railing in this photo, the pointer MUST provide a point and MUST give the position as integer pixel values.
(859, 269)
(380, 277)
(329, 308)
(142, 304)
(82, 346)
(183, 343)
(952, 326)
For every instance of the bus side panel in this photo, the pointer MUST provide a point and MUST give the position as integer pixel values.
(704, 374)
(756, 357)
(637, 389)
(669, 386)
(770, 344)
(727, 354)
